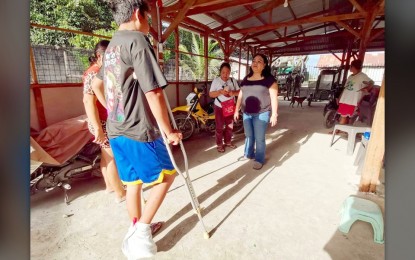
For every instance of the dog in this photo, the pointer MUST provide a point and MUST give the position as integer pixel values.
(299, 100)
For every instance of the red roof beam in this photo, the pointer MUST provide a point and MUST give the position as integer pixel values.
(197, 9)
(321, 19)
(271, 5)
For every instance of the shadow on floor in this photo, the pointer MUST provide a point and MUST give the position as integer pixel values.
(279, 150)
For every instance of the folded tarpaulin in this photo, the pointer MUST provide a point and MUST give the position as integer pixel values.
(62, 140)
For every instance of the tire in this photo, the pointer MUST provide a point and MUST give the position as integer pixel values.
(238, 126)
(330, 118)
(326, 107)
(185, 125)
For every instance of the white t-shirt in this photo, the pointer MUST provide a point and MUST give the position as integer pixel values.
(351, 94)
(218, 83)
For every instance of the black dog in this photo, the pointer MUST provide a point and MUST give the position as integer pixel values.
(299, 100)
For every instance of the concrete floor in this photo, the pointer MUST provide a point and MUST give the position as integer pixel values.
(290, 209)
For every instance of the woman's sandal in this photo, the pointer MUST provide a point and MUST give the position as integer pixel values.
(231, 145)
(155, 227)
(221, 149)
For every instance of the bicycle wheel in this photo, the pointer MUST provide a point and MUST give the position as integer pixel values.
(330, 118)
(185, 125)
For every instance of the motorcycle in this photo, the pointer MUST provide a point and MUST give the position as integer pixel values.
(62, 153)
(194, 117)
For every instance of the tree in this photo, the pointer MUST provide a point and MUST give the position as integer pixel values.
(91, 16)
(195, 62)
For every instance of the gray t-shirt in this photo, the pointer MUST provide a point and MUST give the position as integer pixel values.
(255, 95)
(128, 111)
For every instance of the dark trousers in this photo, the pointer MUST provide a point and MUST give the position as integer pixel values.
(221, 122)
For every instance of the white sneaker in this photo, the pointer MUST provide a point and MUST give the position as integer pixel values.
(138, 242)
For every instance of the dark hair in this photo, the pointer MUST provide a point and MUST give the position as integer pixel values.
(122, 10)
(357, 64)
(266, 71)
(100, 47)
(225, 64)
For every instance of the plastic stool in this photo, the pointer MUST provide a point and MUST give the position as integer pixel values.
(355, 208)
(351, 134)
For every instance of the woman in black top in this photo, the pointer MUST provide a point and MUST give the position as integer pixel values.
(258, 100)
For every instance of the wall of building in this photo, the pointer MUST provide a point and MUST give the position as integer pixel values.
(59, 104)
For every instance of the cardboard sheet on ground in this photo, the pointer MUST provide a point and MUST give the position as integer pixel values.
(59, 142)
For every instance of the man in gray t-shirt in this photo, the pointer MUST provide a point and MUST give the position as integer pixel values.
(128, 111)
(135, 107)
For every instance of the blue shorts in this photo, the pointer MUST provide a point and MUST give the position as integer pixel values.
(141, 162)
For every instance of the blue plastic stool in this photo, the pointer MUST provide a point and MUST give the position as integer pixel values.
(355, 208)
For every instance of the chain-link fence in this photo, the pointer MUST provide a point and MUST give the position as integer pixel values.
(56, 64)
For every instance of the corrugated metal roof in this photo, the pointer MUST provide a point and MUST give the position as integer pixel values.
(264, 21)
(206, 20)
(303, 8)
(232, 13)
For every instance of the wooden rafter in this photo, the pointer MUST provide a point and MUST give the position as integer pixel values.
(348, 28)
(335, 25)
(357, 6)
(295, 17)
(322, 19)
(335, 55)
(224, 20)
(219, 41)
(301, 38)
(377, 23)
(180, 5)
(180, 16)
(68, 30)
(311, 42)
(324, 9)
(376, 34)
(154, 28)
(265, 8)
(210, 8)
(251, 9)
(186, 26)
(305, 31)
(308, 30)
(239, 41)
(367, 28)
(192, 22)
(219, 19)
(291, 35)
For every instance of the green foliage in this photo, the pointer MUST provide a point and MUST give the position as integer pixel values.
(168, 55)
(196, 63)
(84, 15)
